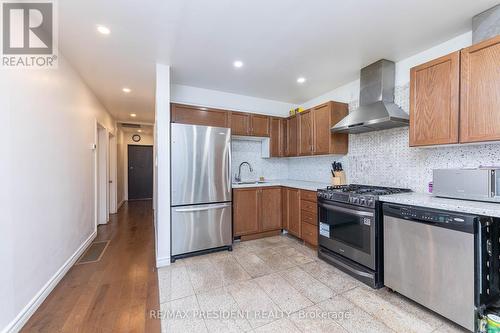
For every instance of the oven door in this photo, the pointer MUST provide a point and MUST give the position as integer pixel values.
(348, 230)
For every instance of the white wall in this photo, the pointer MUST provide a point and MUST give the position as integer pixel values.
(223, 100)
(47, 182)
(350, 91)
(162, 166)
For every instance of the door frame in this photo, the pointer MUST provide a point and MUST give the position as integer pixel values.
(126, 168)
(101, 174)
(113, 174)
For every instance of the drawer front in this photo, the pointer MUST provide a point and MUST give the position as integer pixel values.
(308, 195)
(308, 217)
(310, 233)
(308, 206)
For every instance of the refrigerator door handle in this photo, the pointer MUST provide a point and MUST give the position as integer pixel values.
(198, 209)
(228, 166)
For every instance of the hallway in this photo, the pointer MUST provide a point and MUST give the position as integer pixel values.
(114, 294)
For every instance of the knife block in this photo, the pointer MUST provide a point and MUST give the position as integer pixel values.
(339, 178)
(335, 181)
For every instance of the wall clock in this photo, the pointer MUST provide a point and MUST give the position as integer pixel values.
(136, 138)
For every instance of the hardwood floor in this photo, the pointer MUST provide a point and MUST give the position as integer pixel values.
(115, 294)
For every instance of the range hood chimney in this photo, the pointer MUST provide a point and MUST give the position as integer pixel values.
(377, 110)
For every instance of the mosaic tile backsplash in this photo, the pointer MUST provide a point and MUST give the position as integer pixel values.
(250, 151)
(376, 158)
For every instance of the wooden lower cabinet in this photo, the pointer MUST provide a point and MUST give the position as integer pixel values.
(310, 233)
(256, 210)
(293, 211)
(309, 217)
(245, 207)
(270, 208)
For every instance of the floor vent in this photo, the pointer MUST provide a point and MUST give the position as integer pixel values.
(94, 253)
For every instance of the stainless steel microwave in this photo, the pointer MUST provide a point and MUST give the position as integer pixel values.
(481, 184)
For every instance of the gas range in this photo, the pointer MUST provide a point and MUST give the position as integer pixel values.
(350, 230)
(359, 195)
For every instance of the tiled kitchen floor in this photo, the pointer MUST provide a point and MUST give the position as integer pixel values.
(277, 284)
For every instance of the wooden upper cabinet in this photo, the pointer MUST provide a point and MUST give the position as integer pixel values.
(434, 101)
(480, 92)
(321, 133)
(270, 209)
(284, 137)
(305, 133)
(259, 125)
(186, 114)
(245, 207)
(292, 136)
(276, 137)
(240, 123)
(324, 116)
(249, 124)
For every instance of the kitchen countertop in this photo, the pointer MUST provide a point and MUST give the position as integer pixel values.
(303, 185)
(455, 205)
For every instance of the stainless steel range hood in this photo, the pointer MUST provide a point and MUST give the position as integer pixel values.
(377, 110)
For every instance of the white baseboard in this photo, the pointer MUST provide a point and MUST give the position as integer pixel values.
(25, 314)
(162, 262)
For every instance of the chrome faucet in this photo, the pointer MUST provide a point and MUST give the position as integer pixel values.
(237, 177)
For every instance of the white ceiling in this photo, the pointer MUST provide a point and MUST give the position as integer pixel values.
(326, 41)
(144, 129)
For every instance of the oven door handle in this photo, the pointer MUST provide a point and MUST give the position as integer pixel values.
(345, 210)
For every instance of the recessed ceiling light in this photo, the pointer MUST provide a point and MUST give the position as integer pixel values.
(126, 90)
(103, 30)
(140, 131)
(301, 80)
(133, 115)
(238, 64)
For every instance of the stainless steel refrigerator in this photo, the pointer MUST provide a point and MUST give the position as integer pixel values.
(201, 189)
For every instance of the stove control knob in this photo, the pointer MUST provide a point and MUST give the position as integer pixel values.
(362, 201)
(355, 200)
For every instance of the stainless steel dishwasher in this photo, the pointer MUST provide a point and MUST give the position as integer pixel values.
(429, 257)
